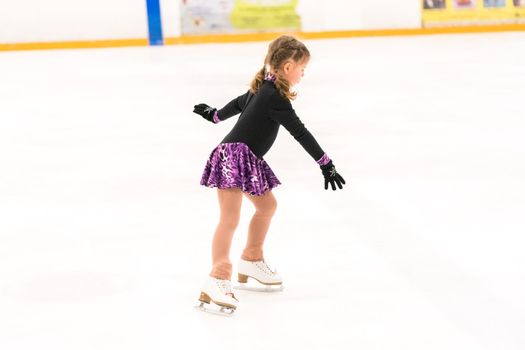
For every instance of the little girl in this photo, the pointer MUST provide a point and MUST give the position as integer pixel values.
(236, 166)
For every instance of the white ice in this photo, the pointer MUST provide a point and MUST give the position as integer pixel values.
(105, 231)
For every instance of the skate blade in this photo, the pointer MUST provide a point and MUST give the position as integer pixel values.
(215, 309)
(260, 288)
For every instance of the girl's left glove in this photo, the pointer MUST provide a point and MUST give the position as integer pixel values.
(206, 112)
(332, 176)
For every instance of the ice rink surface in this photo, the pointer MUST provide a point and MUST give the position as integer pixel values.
(105, 232)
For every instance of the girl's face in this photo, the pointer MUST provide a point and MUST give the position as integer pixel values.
(294, 71)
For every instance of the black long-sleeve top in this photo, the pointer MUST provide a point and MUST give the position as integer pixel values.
(259, 122)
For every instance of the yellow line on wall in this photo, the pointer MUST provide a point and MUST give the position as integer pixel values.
(417, 31)
(235, 38)
(73, 44)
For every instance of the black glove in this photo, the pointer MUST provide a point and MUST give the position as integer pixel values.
(205, 111)
(331, 176)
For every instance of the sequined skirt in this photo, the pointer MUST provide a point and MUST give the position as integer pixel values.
(232, 165)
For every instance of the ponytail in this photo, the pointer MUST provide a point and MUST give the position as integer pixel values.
(257, 80)
(283, 86)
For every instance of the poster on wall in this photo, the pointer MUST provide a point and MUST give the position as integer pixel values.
(440, 13)
(238, 16)
(462, 4)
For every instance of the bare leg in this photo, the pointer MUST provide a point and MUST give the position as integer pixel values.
(230, 201)
(265, 207)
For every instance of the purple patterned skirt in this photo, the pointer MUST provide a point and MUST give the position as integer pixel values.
(235, 165)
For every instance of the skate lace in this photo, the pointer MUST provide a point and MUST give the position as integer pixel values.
(226, 287)
(263, 265)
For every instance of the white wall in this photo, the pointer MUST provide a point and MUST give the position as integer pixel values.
(359, 14)
(171, 23)
(386, 14)
(62, 20)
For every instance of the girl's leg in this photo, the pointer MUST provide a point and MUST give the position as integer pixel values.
(265, 207)
(230, 201)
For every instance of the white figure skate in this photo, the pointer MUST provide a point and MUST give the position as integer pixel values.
(219, 293)
(259, 271)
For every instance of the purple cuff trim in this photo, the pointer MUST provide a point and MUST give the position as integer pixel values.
(216, 117)
(270, 77)
(323, 160)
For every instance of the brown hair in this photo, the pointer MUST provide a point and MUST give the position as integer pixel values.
(280, 50)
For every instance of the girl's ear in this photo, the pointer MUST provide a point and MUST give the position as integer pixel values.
(287, 67)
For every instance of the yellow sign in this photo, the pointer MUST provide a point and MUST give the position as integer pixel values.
(265, 15)
(468, 12)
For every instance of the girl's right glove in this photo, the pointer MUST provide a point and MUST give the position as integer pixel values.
(332, 176)
(207, 112)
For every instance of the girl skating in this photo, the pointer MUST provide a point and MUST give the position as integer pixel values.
(236, 167)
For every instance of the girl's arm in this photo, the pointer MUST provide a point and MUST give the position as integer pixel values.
(213, 115)
(233, 107)
(284, 114)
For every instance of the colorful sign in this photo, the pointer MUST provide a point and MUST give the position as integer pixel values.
(472, 12)
(238, 16)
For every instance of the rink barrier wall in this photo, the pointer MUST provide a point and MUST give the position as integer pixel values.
(233, 38)
(236, 38)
